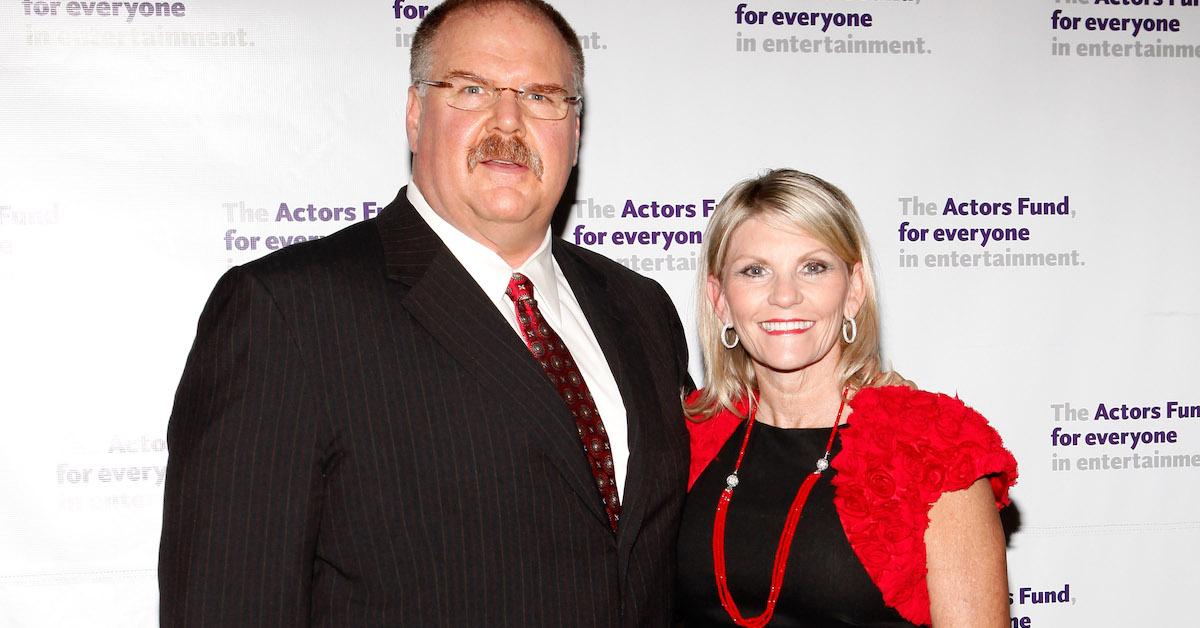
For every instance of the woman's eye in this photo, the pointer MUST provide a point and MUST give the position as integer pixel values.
(815, 268)
(754, 270)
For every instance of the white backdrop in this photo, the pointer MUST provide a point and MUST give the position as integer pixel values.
(146, 147)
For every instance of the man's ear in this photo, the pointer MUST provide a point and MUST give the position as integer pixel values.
(412, 117)
(575, 161)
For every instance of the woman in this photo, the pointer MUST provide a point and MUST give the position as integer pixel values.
(823, 493)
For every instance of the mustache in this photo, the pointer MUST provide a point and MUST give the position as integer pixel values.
(498, 147)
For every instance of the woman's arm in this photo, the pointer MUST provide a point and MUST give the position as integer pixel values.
(964, 545)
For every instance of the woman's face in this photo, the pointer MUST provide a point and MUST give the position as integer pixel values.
(786, 294)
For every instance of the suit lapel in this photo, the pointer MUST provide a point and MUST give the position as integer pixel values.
(446, 301)
(612, 320)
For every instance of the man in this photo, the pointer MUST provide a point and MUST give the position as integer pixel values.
(382, 428)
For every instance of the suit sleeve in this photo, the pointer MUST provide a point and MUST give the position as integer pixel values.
(243, 489)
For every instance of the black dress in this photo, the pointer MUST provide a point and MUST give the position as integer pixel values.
(825, 585)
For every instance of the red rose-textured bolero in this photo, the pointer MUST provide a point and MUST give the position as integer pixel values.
(901, 449)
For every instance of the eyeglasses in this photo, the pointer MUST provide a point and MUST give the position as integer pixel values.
(470, 93)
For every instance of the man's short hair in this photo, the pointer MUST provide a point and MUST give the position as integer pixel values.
(421, 61)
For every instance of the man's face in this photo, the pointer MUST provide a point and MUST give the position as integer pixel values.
(456, 165)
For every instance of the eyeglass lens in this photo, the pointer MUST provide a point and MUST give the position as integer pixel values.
(475, 96)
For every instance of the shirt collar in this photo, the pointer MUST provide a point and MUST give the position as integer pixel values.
(486, 267)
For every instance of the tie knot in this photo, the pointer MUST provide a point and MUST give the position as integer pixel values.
(519, 288)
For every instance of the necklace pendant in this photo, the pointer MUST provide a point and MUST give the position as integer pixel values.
(731, 481)
(822, 464)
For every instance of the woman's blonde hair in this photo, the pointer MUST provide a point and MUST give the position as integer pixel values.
(802, 201)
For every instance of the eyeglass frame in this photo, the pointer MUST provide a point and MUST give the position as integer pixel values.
(576, 101)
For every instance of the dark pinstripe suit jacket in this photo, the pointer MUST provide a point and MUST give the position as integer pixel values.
(359, 439)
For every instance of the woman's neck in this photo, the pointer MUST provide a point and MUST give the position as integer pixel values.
(801, 399)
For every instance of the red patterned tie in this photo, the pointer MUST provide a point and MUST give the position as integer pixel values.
(548, 349)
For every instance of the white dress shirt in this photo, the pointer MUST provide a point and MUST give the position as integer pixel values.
(557, 304)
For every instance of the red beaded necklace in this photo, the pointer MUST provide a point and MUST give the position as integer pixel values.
(785, 539)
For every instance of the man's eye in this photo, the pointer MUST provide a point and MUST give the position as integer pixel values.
(537, 97)
(473, 90)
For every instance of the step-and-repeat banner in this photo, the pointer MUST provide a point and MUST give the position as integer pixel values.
(1028, 172)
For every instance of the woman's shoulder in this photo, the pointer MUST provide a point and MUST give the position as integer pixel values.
(933, 418)
(902, 450)
(905, 400)
(723, 415)
(931, 435)
(708, 434)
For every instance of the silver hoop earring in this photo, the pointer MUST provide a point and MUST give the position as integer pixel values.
(725, 337)
(852, 335)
